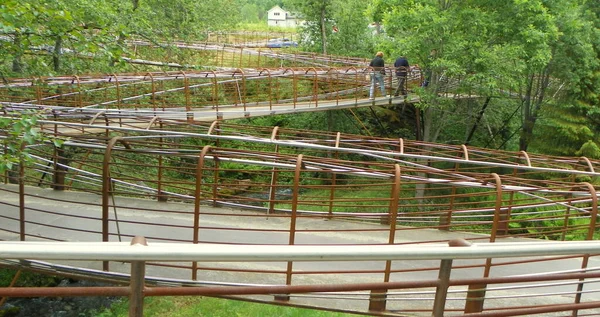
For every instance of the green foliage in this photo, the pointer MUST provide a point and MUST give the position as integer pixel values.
(18, 131)
(27, 279)
(184, 306)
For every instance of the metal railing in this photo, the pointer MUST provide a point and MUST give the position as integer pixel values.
(139, 252)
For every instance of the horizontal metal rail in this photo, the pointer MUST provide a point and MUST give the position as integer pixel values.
(121, 251)
(138, 252)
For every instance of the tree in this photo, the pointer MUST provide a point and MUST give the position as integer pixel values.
(573, 121)
(454, 45)
(318, 15)
(537, 51)
(352, 37)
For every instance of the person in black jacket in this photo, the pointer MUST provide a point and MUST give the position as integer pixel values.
(401, 66)
(377, 75)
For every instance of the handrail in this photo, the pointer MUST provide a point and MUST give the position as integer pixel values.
(123, 251)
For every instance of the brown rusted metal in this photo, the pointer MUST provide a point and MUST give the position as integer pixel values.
(172, 147)
(21, 181)
(475, 298)
(138, 274)
(12, 284)
(270, 84)
(441, 291)
(377, 300)
(107, 192)
(294, 215)
(274, 174)
(589, 236)
(197, 198)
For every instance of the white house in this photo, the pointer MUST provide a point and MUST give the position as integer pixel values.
(277, 16)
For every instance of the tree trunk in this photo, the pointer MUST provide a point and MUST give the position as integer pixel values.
(17, 64)
(323, 31)
(56, 54)
(526, 133)
(479, 116)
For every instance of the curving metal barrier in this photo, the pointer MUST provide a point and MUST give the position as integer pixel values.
(150, 155)
(222, 184)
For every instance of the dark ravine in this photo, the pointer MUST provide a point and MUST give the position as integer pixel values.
(59, 306)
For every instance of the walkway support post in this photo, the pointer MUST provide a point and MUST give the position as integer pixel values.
(106, 192)
(441, 292)
(274, 174)
(197, 198)
(590, 236)
(138, 275)
(377, 301)
(476, 292)
(294, 215)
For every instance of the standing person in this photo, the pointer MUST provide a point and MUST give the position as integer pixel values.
(401, 66)
(378, 74)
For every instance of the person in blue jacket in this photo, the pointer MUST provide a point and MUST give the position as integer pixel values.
(401, 66)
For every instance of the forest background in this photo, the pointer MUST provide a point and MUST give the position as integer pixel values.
(534, 65)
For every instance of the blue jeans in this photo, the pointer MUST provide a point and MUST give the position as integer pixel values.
(377, 77)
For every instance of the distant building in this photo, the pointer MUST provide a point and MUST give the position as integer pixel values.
(277, 16)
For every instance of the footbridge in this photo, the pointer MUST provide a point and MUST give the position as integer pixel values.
(234, 186)
(153, 155)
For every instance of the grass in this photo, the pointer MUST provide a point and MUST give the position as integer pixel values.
(184, 306)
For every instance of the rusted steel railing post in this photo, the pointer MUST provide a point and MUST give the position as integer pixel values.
(441, 291)
(476, 292)
(153, 90)
(106, 193)
(118, 88)
(22, 195)
(186, 92)
(379, 302)
(270, 86)
(274, 175)
(590, 236)
(358, 83)
(161, 196)
(501, 216)
(294, 215)
(294, 86)
(136, 285)
(333, 179)
(315, 85)
(59, 162)
(241, 92)
(197, 199)
(79, 91)
(446, 220)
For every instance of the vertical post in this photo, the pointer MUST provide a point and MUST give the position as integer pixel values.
(441, 292)
(333, 179)
(58, 182)
(21, 198)
(294, 215)
(197, 198)
(476, 293)
(136, 285)
(590, 236)
(106, 192)
(274, 175)
(378, 298)
(161, 196)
